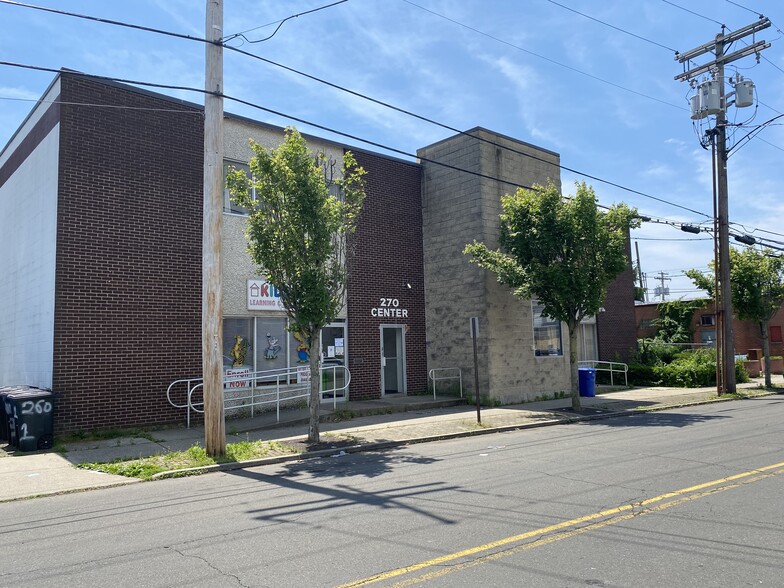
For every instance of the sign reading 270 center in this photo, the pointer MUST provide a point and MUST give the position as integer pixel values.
(263, 296)
(389, 308)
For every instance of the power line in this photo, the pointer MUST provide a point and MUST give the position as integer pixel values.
(431, 121)
(309, 123)
(548, 59)
(105, 21)
(280, 24)
(613, 26)
(722, 25)
(374, 100)
(744, 8)
(113, 106)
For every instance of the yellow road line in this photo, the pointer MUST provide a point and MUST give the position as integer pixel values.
(561, 530)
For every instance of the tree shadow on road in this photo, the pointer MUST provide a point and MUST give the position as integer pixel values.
(319, 496)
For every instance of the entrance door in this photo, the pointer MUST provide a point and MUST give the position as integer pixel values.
(393, 360)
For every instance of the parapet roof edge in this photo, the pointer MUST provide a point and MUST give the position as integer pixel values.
(65, 72)
(499, 135)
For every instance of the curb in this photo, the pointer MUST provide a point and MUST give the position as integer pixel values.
(378, 445)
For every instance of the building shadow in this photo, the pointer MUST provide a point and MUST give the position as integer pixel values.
(612, 417)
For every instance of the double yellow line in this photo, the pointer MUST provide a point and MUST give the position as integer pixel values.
(566, 529)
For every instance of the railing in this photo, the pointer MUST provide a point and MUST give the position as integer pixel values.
(266, 387)
(456, 374)
(608, 366)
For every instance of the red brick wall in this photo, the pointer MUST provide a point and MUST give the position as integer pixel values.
(388, 256)
(128, 268)
(616, 327)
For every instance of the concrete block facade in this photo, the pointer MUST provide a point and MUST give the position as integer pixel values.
(457, 208)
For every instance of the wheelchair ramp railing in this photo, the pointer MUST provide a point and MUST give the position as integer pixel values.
(613, 367)
(257, 391)
(446, 374)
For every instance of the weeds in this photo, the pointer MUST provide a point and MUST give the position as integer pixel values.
(193, 457)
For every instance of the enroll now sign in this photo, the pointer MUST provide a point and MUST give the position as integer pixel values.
(263, 296)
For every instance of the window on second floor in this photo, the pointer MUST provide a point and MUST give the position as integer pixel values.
(707, 320)
(228, 205)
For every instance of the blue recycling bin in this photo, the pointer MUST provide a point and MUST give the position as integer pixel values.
(587, 382)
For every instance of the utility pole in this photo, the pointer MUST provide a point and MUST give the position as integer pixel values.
(662, 290)
(712, 100)
(643, 292)
(212, 300)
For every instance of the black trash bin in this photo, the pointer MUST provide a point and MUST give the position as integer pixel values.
(31, 425)
(4, 415)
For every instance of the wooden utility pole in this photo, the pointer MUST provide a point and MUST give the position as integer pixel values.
(723, 295)
(212, 300)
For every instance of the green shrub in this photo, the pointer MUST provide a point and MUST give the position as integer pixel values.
(642, 375)
(693, 369)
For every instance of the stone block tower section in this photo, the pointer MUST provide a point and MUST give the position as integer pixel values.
(128, 261)
(386, 283)
(459, 207)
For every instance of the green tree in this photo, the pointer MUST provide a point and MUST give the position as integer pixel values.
(297, 234)
(757, 287)
(563, 251)
(675, 320)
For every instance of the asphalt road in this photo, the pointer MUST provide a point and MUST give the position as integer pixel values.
(691, 497)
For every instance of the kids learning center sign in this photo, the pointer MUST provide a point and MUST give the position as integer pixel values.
(263, 296)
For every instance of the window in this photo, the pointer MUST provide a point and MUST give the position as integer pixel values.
(707, 320)
(647, 323)
(708, 337)
(547, 333)
(238, 342)
(228, 205)
(587, 348)
(775, 334)
(264, 343)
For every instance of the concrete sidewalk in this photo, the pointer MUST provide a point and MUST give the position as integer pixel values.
(384, 424)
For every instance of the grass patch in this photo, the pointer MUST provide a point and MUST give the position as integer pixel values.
(193, 457)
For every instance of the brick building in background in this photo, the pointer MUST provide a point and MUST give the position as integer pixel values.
(100, 253)
(747, 336)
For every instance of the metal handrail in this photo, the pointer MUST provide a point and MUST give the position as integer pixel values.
(265, 387)
(608, 366)
(432, 375)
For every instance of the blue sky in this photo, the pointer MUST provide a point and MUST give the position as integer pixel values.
(604, 99)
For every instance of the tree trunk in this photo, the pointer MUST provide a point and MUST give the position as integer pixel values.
(766, 351)
(573, 373)
(315, 386)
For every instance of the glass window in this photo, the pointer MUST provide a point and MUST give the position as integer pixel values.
(228, 205)
(547, 333)
(237, 342)
(708, 337)
(273, 342)
(587, 349)
(707, 320)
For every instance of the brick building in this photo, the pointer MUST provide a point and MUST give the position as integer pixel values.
(746, 334)
(100, 258)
